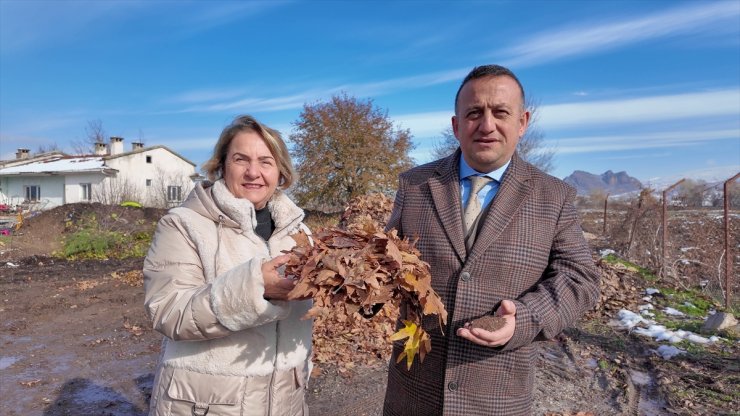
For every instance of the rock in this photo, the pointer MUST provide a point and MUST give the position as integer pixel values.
(589, 236)
(717, 322)
(730, 332)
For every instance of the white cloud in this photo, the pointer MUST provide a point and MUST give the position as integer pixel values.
(293, 101)
(198, 143)
(255, 104)
(708, 174)
(704, 17)
(633, 156)
(202, 16)
(586, 114)
(205, 95)
(642, 109)
(636, 141)
(27, 24)
(424, 124)
(601, 36)
(405, 83)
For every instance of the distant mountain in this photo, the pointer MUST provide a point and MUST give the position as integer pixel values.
(609, 182)
(712, 175)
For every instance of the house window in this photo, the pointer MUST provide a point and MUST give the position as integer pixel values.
(33, 192)
(148, 159)
(86, 190)
(148, 182)
(174, 193)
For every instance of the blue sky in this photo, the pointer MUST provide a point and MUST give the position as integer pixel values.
(648, 87)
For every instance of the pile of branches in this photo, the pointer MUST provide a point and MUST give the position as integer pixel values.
(361, 269)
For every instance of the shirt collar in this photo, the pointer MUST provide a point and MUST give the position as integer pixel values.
(466, 170)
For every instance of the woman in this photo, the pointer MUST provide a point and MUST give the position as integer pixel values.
(234, 344)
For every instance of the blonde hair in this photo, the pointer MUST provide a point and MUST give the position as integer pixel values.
(214, 167)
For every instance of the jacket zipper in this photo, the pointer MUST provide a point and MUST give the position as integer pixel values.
(277, 324)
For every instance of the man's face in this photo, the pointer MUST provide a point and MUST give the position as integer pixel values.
(489, 120)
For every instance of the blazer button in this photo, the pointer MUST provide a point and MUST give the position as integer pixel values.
(452, 386)
(465, 276)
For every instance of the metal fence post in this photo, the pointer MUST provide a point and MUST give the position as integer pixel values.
(728, 247)
(603, 231)
(663, 271)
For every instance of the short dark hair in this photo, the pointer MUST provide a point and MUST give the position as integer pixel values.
(488, 71)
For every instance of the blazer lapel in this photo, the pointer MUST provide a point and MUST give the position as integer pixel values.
(445, 189)
(513, 191)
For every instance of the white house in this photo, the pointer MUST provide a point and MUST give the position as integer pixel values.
(152, 176)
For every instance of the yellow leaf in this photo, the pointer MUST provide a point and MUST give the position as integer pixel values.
(407, 331)
(411, 347)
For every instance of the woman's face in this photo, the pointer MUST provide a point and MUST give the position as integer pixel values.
(250, 170)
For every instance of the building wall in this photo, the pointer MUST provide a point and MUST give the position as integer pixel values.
(151, 178)
(4, 197)
(51, 190)
(73, 186)
(142, 177)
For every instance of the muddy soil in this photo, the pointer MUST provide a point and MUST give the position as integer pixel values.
(75, 341)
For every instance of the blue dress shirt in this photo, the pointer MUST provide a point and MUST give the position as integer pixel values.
(488, 192)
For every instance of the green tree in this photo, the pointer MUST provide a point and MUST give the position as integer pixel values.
(345, 148)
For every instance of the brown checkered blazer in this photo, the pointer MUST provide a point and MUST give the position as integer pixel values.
(530, 249)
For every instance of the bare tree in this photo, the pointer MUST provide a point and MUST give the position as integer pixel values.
(52, 147)
(115, 190)
(531, 146)
(446, 145)
(169, 190)
(691, 193)
(595, 198)
(94, 133)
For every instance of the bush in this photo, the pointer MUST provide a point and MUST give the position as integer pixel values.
(90, 240)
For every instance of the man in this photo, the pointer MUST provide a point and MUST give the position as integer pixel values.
(518, 251)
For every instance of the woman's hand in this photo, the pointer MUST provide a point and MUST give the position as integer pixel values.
(480, 336)
(276, 286)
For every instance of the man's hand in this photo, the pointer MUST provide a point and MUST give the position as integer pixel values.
(507, 310)
(276, 286)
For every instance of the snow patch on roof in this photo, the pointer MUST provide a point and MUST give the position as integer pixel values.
(71, 164)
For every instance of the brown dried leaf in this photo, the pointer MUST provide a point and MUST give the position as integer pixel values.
(345, 270)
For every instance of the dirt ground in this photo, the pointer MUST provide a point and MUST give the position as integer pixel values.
(75, 341)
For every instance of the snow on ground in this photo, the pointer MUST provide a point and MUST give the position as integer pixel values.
(669, 351)
(640, 325)
(674, 312)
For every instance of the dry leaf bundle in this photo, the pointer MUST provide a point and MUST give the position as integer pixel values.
(355, 270)
(376, 206)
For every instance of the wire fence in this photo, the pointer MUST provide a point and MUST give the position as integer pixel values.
(688, 238)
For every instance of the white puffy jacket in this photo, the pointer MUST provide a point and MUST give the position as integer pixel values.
(227, 350)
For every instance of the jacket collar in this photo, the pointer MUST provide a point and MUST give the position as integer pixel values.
(514, 190)
(445, 189)
(214, 200)
(444, 186)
